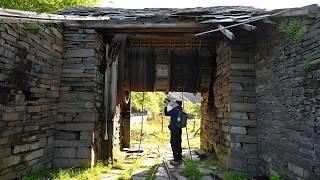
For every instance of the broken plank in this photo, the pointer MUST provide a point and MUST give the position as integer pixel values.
(226, 32)
(248, 27)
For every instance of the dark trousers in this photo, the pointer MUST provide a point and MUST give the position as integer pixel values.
(175, 140)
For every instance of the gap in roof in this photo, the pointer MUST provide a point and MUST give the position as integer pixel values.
(267, 4)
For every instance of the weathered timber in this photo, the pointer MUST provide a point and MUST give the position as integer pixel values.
(226, 32)
(248, 27)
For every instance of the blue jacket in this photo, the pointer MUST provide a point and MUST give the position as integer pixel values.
(174, 113)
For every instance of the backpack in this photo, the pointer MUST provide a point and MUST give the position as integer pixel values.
(183, 119)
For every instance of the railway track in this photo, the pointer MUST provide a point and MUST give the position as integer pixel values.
(165, 163)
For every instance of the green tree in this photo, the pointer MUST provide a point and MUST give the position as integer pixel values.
(192, 108)
(153, 101)
(45, 6)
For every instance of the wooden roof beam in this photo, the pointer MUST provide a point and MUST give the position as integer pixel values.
(133, 25)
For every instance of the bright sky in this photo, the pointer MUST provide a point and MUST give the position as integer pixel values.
(268, 4)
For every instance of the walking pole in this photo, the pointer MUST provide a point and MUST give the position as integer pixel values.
(162, 123)
(194, 124)
(188, 142)
(187, 130)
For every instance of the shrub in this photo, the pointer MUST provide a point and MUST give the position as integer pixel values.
(293, 30)
(191, 170)
(306, 66)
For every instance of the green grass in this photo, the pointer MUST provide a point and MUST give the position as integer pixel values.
(210, 162)
(275, 177)
(32, 27)
(229, 175)
(118, 165)
(127, 174)
(71, 173)
(153, 168)
(191, 170)
(44, 174)
(5, 27)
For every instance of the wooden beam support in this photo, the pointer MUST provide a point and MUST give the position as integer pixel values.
(248, 27)
(226, 32)
(139, 25)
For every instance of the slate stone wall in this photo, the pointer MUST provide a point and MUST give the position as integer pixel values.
(30, 71)
(288, 102)
(77, 141)
(229, 110)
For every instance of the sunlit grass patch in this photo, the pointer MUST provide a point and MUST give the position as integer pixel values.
(71, 173)
(192, 170)
(127, 174)
(118, 165)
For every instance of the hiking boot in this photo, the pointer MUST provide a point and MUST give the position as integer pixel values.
(175, 163)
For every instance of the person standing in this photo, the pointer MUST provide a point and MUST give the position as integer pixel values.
(175, 131)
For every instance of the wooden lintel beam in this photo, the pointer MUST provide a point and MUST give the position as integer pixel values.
(133, 25)
(248, 27)
(152, 30)
(226, 32)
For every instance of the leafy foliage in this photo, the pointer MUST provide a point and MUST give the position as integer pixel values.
(293, 30)
(47, 6)
(192, 108)
(152, 101)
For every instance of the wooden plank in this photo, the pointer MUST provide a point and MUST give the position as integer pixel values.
(226, 20)
(113, 89)
(154, 30)
(248, 27)
(226, 32)
(106, 90)
(137, 25)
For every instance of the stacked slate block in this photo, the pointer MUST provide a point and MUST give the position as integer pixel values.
(288, 102)
(80, 102)
(214, 128)
(228, 110)
(30, 70)
(242, 106)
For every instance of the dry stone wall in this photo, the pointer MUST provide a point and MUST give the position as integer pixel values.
(77, 141)
(229, 111)
(288, 102)
(30, 71)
